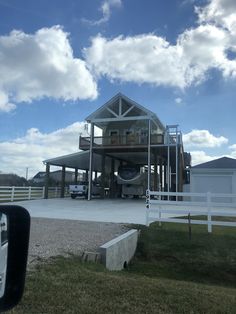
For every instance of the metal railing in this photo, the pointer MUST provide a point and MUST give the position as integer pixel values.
(121, 140)
(168, 206)
(20, 193)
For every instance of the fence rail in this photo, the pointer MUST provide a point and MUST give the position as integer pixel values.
(20, 193)
(172, 205)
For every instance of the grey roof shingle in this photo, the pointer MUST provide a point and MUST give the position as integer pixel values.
(221, 163)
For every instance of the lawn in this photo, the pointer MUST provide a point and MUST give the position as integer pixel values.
(169, 274)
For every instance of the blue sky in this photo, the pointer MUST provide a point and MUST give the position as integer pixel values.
(61, 60)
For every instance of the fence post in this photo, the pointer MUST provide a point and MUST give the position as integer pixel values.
(12, 193)
(209, 225)
(29, 193)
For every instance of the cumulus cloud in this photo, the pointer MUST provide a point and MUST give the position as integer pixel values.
(203, 138)
(35, 146)
(5, 105)
(149, 58)
(199, 157)
(221, 12)
(233, 150)
(34, 66)
(142, 59)
(105, 8)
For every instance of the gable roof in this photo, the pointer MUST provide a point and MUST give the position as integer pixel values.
(221, 163)
(120, 108)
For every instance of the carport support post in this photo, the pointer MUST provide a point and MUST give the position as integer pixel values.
(63, 175)
(91, 162)
(86, 176)
(76, 176)
(47, 180)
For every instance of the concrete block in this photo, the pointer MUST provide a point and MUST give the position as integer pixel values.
(117, 253)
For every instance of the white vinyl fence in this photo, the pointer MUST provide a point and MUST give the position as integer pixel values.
(168, 206)
(20, 193)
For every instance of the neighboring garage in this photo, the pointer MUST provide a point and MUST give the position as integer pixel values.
(216, 176)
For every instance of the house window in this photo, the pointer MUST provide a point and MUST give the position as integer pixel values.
(143, 139)
(114, 137)
(129, 137)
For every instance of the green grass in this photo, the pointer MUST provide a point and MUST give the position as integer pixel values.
(167, 252)
(169, 274)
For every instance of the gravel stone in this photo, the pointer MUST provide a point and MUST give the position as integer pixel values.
(53, 237)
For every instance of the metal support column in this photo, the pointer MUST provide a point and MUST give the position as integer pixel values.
(149, 154)
(90, 162)
(177, 162)
(112, 177)
(47, 180)
(103, 174)
(155, 172)
(63, 176)
(161, 174)
(168, 162)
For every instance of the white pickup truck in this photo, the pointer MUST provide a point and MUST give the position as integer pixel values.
(81, 189)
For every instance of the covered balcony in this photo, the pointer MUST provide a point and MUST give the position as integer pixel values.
(116, 141)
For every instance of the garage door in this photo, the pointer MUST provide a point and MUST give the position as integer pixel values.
(213, 184)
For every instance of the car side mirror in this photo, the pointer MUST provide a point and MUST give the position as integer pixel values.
(14, 243)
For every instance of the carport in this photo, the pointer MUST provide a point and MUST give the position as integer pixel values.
(77, 161)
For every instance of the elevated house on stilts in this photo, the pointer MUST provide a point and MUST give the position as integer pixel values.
(132, 137)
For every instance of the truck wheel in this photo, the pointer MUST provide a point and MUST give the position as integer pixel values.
(73, 196)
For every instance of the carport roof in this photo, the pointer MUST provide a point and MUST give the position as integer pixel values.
(79, 160)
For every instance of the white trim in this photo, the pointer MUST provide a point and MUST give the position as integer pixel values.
(112, 112)
(121, 119)
(127, 111)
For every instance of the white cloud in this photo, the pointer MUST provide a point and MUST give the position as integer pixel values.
(221, 12)
(105, 8)
(31, 149)
(233, 147)
(149, 58)
(199, 157)
(5, 105)
(203, 138)
(142, 59)
(233, 150)
(178, 100)
(34, 66)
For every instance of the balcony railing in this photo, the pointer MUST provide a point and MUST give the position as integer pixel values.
(120, 140)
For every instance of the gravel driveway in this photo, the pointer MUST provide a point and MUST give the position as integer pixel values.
(52, 237)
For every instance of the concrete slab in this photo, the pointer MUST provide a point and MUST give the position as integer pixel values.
(107, 210)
